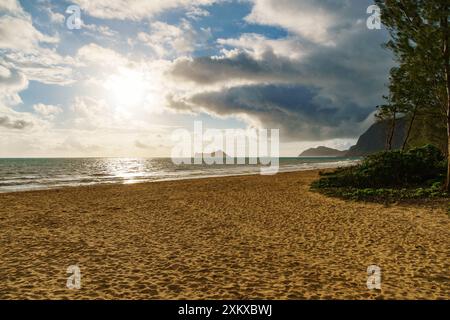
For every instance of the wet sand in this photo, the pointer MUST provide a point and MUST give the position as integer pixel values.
(247, 237)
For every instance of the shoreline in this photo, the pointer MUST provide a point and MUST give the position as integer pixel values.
(105, 184)
(180, 178)
(240, 237)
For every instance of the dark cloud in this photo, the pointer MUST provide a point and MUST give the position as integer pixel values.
(6, 122)
(242, 66)
(328, 91)
(299, 112)
(356, 70)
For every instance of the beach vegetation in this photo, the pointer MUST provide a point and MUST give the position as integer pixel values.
(419, 84)
(389, 175)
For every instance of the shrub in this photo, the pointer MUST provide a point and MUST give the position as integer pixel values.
(416, 167)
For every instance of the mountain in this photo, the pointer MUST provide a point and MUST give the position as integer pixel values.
(371, 141)
(322, 152)
(374, 139)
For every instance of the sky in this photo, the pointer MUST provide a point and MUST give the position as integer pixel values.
(137, 70)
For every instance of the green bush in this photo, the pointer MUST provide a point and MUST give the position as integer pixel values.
(389, 175)
(387, 169)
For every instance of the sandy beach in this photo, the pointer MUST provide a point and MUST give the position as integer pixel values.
(246, 237)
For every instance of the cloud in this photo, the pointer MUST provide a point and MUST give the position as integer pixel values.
(320, 81)
(18, 124)
(31, 52)
(355, 70)
(90, 113)
(336, 60)
(135, 9)
(300, 112)
(195, 13)
(348, 79)
(47, 110)
(236, 65)
(43, 65)
(100, 56)
(104, 31)
(141, 145)
(171, 41)
(11, 7)
(316, 21)
(29, 36)
(11, 83)
(55, 17)
(257, 45)
(74, 145)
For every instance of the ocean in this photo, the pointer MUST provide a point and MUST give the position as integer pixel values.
(24, 174)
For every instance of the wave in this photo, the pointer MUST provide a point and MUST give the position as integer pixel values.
(27, 174)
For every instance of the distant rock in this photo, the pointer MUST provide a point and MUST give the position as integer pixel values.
(214, 154)
(322, 152)
(374, 139)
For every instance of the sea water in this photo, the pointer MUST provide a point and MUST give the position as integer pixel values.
(46, 173)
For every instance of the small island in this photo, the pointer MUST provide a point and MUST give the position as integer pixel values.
(215, 154)
(322, 152)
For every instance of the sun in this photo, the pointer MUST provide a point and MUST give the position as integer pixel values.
(126, 87)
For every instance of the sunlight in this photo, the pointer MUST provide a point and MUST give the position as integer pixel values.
(126, 87)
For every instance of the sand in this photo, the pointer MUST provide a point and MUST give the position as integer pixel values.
(247, 237)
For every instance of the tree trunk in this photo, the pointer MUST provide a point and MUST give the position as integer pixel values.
(391, 133)
(447, 183)
(413, 117)
(446, 56)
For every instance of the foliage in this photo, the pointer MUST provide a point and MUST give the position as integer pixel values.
(417, 173)
(388, 194)
(420, 83)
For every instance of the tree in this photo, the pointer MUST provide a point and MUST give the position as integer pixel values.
(419, 31)
(409, 90)
(388, 112)
(397, 106)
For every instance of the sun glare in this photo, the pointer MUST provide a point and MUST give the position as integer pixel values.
(126, 87)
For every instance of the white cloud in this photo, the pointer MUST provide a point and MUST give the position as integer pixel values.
(101, 30)
(100, 56)
(72, 144)
(11, 7)
(4, 72)
(43, 65)
(257, 45)
(21, 48)
(56, 17)
(90, 113)
(316, 21)
(12, 82)
(135, 9)
(171, 41)
(196, 13)
(29, 36)
(47, 110)
(23, 123)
